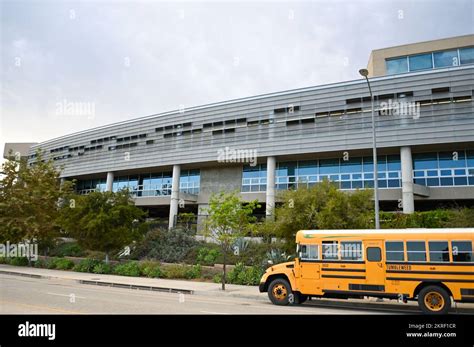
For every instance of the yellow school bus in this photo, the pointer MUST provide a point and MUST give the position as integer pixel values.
(432, 266)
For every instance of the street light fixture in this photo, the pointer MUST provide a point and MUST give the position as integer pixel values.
(365, 73)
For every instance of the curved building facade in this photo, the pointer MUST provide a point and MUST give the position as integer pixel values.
(174, 161)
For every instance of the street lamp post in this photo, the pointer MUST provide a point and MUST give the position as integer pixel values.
(365, 74)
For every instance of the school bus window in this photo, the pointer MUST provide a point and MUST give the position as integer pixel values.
(374, 254)
(351, 250)
(394, 251)
(439, 251)
(309, 252)
(462, 251)
(330, 250)
(416, 251)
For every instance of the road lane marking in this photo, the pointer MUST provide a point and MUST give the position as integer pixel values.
(67, 295)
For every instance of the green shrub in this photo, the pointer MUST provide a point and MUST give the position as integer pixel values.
(207, 256)
(151, 269)
(170, 246)
(176, 271)
(130, 268)
(19, 261)
(67, 249)
(63, 264)
(86, 265)
(194, 271)
(102, 268)
(4, 260)
(217, 278)
(40, 263)
(241, 274)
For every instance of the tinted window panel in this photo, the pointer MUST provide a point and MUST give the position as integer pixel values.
(420, 62)
(416, 251)
(394, 251)
(446, 58)
(439, 251)
(467, 55)
(462, 250)
(395, 66)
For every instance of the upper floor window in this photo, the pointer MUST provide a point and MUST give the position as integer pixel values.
(420, 62)
(432, 60)
(397, 65)
(446, 58)
(467, 55)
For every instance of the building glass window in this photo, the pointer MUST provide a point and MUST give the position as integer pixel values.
(396, 66)
(420, 62)
(446, 58)
(454, 168)
(254, 178)
(467, 55)
(189, 181)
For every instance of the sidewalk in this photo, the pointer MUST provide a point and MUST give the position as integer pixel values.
(207, 289)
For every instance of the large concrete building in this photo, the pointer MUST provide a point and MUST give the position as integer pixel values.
(172, 162)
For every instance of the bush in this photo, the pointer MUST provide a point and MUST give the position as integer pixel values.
(130, 268)
(151, 269)
(241, 274)
(102, 268)
(176, 271)
(86, 265)
(40, 263)
(63, 264)
(19, 261)
(207, 256)
(169, 246)
(4, 260)
(67, 249)
(194, 271)
(217, 278)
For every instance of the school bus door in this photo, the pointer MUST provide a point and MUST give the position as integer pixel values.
(374, 265)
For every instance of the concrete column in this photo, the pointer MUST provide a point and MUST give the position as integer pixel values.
(110, 181)
(270, 196)
(408, 201)
(174, 195)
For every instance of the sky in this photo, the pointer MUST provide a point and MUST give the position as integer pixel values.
(110, 61)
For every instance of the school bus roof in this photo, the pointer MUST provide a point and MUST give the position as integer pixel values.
(303, 234)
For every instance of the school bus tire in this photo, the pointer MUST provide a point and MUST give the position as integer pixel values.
(280, 293)
(434, 300)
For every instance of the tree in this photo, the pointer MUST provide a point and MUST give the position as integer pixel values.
(103, 221)
(228, 219)
(29, 200)
(322, 206)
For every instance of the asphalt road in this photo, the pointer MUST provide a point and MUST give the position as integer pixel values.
(24, 295)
